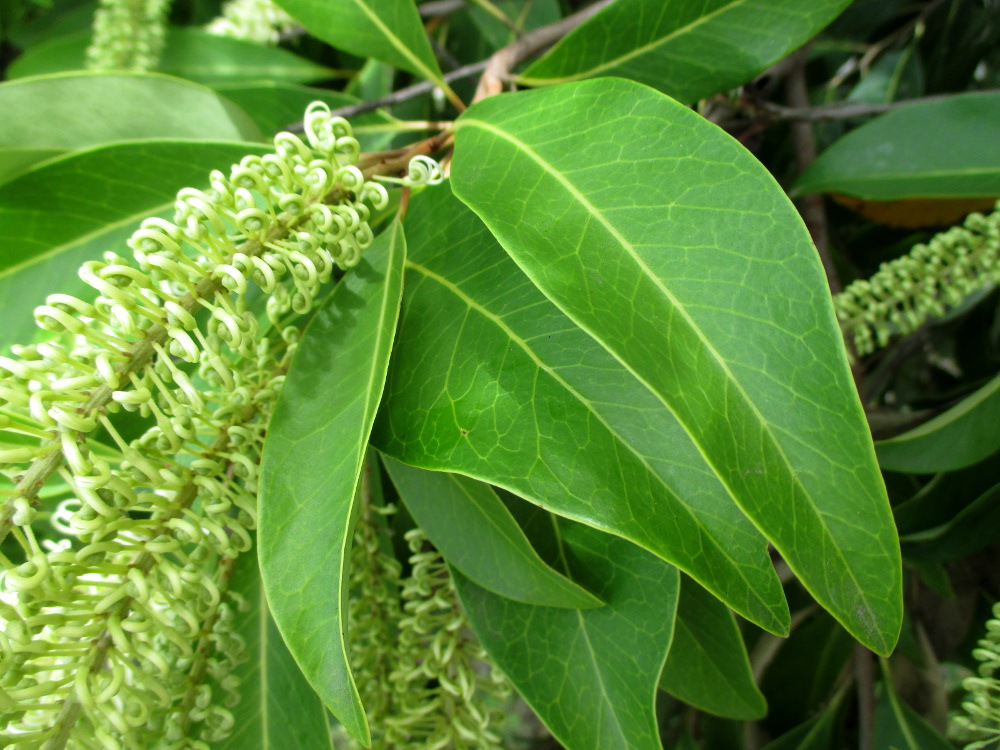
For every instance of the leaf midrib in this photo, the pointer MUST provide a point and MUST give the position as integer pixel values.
(396, 42)
(523, 345)
(767, 430)
(638, 51)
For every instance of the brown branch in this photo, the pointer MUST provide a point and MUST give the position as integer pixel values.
(813, 210)
(500, 65)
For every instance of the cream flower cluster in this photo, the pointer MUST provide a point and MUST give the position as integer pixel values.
(258, 21)
(132, 438)
(926, 283)
(979, 721)
(128, 35)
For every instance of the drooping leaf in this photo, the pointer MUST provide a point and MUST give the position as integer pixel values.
(388, 30)
(277, 706)
(898, 726)
(708, 666)
(76, 110)
(476, 533)
(665, 240)
(312, 463)
(688, 49)
(490, 380)
(69, 210)
(276, 106)
(189, 53)
(925, 149)
(591, 674)
(964, 435)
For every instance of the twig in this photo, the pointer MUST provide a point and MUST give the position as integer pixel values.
(440, 8)
(839, 110)
(397, 97)
(813, 210)
(863, 675)
(503, 61)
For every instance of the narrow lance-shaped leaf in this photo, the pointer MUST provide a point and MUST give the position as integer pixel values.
(388, 30)
(277, 706)
(313, 455)
(664, 239)
(689, 49)
(476, 533)
(965, 434)
(489, 379)
(708, 665)
(591, 674)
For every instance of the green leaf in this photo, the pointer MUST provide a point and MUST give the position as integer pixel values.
(898, 726)
(708, 665)
(926, 149)
(311, 467)
(75, 110)
(388, 30)
(490, 380)
(964, 435)
(688, 49)
(189, 53)
(665, 240)
(591, 674)
(974, 527)
(476, 533)
(277, 708)
(72, 209)
(275, 106)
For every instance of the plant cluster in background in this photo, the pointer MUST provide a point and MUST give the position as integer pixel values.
(497, 395)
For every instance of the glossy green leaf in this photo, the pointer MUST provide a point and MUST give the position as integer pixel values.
(476, 533)
(277, 707)
(389, 30)
(689, 49)
(591, 674)
(76, 110)
(964, 435)
(927, 149)
(69, 210)
(189, 53)
(670, 244)
(276, 106)
(490, 380)
(898, 726)
(708, 666)
(14, 161)
(313, 455)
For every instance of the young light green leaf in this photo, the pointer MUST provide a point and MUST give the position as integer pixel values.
(189, 53)
(964, 435)
(75, 110)
(926, 149)
(277, 707)
(476, 533)
(490, 380)
(590, 674)
(312, 462)
(69, 210)
(389, 30)
(670, 244)
(688, 49)
(708, 666)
